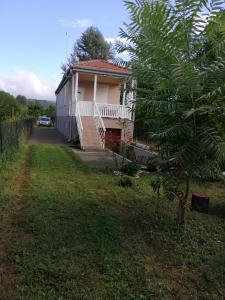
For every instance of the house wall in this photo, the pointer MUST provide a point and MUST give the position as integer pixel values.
(126, 126)
(113, 95)
(68, 127)
(64, 122)
(63, 99)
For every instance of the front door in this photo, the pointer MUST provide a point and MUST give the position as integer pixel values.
(81, 92)
(113, 139)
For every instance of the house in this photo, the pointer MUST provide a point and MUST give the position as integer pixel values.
(95, 105)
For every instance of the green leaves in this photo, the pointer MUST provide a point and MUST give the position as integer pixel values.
(178, 55)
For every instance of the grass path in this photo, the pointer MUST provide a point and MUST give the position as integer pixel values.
(14, 180)
(70, 232)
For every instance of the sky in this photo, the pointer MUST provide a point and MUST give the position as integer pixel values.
(34, 43)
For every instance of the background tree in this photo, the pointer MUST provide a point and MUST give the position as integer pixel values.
(35, 109)
(21, 99)
(51, 112)
(185, 89)
(9, 107)
(91, 45)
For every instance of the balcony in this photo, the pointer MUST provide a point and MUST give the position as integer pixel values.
(87, 109)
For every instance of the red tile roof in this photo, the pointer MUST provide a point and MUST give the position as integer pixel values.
(102, 65)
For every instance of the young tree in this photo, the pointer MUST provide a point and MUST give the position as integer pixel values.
(186, 88)
(91, 45)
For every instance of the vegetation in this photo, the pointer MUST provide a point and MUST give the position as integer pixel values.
(10, 107)
(20, 107)
(12, 134)
(178, 52)
(35, 110)
(125, 181)
(130, 168)
(21, 99)
(91, 45)
(50, 111)
(79, 235)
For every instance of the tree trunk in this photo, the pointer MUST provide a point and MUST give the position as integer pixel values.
(182, 202)
(181, 212)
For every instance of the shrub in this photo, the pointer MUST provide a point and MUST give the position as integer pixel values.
(152, 165)
(125, 181)
(156, 183)
(130, 168)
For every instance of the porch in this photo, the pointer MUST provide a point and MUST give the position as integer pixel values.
(102, 95)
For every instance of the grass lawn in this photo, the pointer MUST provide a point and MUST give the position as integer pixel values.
(88, 238)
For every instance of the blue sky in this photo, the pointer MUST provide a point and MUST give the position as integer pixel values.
(34, 43)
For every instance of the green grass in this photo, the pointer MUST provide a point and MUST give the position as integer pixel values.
(89, 238)
(9, 174)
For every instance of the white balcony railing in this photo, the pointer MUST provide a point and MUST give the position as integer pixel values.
(86, 108)
(105, 110)
(114, 111)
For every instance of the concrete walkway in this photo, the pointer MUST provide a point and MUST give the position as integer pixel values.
(99, 159)
(47, 136)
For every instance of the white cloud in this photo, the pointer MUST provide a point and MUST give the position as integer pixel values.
(115, 40)
(78, 23)
(28, 84)
(125, 55)
(111, 40)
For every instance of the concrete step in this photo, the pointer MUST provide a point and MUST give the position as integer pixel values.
(91, 140)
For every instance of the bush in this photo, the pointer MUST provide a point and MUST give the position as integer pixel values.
(156, 183)
(125, 181)
(130, 168)
(152, 165)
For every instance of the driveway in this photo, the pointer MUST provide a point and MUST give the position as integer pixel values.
(47, 136)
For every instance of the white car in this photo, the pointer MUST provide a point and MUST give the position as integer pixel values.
(45, 121)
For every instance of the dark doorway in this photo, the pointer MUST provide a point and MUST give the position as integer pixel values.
(113, 139)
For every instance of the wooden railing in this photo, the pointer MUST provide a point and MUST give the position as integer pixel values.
(114, 111)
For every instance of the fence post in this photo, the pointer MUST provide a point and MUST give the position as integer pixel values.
(1, 145)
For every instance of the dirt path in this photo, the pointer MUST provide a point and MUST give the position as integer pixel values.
(11, 233)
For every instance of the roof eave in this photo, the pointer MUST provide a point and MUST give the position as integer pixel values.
(89, 70)
(102, 72)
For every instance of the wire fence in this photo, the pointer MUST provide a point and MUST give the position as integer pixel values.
(12, 133)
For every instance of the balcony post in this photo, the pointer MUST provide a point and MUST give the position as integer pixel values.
(124, 93)
(95, 87)
(95, 91)
(134, 85)
(72, 98)
(76, 91)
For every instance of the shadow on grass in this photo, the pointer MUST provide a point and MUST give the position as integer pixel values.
(217, 210)
(78, 246)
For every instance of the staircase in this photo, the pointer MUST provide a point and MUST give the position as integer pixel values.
(91, 138)
(91, 128)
